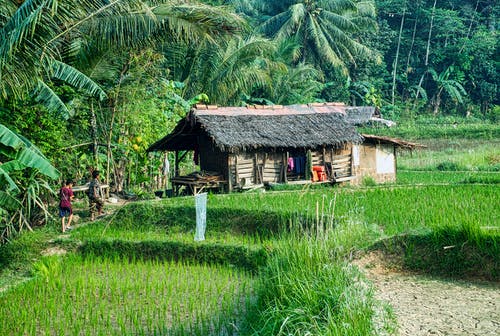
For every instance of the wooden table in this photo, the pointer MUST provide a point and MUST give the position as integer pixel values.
(85, 187)
(194, 186)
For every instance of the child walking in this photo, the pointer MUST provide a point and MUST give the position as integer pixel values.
(65, 210)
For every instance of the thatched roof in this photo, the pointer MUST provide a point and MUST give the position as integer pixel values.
(397, 142)
(242, 128)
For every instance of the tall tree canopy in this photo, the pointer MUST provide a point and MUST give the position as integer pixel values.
(40, 39)
(327, 30)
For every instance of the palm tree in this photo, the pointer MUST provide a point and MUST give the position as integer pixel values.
(39, 39)
(291, 82)
(326, 29)
(223, 70)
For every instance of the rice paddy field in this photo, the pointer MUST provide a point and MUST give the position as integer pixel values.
(272, 263)
(111, 296)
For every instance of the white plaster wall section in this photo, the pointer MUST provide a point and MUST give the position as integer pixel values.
(385, 159)
(355, 155)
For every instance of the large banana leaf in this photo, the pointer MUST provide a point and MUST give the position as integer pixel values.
(4, 176)
(47, 97)
(25, 153)
(9, 138)
(8, 202)
(31, 159)
(11, 166)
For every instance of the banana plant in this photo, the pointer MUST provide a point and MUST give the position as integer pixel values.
(23, 173)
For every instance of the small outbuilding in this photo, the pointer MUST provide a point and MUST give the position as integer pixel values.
(245, 147)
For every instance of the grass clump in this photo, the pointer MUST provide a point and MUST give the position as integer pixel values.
(449, 166)
(306, 290)
(450, 252)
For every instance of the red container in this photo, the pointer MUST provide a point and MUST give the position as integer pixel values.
(319, 168)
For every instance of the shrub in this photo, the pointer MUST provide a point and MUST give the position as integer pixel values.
(449, 166)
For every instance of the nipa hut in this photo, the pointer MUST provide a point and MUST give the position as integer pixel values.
(245, 147)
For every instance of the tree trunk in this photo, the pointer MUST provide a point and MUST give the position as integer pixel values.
(430, 35)
(437, 102)
(109, 154)
(470, 28)
(395, 67)
(413, 37)
(426, 63)
(93, 126)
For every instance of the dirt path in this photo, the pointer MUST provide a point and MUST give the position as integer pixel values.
(430, 306)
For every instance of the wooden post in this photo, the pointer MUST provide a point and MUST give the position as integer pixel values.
(176, 172)
(395, 163)
(287, 156)
(255, 169)
(237, 176)
(308, 170)
(229, 175)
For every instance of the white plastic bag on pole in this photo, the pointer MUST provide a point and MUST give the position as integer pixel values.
(201, 216)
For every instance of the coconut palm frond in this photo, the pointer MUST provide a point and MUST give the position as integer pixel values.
(325, 29)
(72, 76)
(44, 95)
(297, 15)
(190, 21)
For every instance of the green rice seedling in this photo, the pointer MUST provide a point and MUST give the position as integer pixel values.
(115, 297)
(446, 177)
(453, 155)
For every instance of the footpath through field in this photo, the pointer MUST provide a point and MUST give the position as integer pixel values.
(429, 306)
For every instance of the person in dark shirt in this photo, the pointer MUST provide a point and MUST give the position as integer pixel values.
(95, 196)
(65, 209)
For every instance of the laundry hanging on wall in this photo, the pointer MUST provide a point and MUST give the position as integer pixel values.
(297, 164)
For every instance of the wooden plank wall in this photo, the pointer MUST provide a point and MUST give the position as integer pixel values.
(249, 169)
(242, 169)
(273, 166)
(341, 165)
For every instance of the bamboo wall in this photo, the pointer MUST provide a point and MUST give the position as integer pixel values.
(257, 167)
